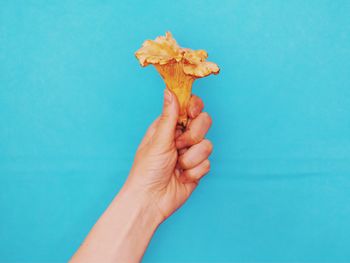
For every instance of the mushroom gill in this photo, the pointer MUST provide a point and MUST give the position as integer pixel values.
(179, 67)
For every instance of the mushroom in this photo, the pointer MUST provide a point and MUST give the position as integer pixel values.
(179, 67)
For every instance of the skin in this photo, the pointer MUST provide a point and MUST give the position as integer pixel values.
(168, 166)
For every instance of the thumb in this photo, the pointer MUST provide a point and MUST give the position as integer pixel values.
(168, 120)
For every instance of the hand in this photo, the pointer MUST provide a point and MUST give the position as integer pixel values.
(169, 163)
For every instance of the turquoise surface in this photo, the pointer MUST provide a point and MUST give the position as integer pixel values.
(74, 104)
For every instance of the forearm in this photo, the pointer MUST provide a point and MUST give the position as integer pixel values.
(123, 231)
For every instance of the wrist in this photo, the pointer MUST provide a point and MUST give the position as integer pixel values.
(123, 231)
(142, 201)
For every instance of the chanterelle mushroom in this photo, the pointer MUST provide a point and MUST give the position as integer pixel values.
(179, 67)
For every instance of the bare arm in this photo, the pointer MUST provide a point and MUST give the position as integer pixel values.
(123, 231)
(167, 168)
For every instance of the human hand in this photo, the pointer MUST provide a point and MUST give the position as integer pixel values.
(167, 167)
(169, 162)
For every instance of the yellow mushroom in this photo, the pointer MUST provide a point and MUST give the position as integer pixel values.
(179, 67)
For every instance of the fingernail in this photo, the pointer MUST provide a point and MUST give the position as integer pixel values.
(168, 97)
(179, 143)
(194, 111)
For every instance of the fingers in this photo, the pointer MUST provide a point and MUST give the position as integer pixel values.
(196, 131)
(195, 106)
(196, 173)
(195, 155)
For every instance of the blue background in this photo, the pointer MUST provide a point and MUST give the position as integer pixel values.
(74, 104)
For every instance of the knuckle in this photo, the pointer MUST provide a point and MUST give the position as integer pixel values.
(207, 165)
(194, 98)
(208, 146)
(199, 102)
(205, 115)
(207, 118)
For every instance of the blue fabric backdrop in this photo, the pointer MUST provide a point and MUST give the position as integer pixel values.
(74, 104)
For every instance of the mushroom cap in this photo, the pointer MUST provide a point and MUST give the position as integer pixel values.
(165, 50)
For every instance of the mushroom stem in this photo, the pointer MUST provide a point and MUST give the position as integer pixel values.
(180, 84)
(183, 95)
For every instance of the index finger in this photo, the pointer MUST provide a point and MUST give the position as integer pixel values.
(196, 131)
(195, 106)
